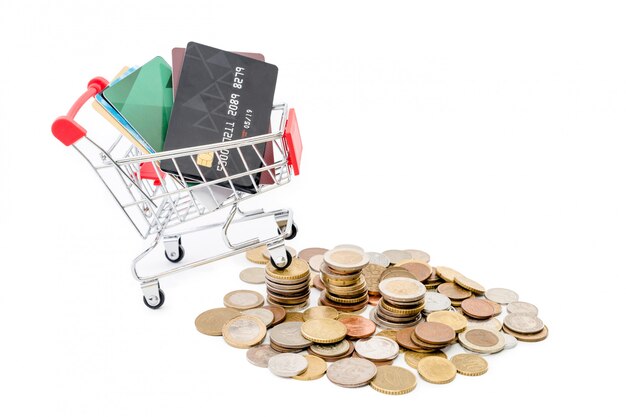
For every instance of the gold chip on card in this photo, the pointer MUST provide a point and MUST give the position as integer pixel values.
(205, 159)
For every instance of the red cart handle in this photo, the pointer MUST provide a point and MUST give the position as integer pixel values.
(65, 128)
(294, 142)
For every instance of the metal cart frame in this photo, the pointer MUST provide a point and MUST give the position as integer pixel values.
(163, 205)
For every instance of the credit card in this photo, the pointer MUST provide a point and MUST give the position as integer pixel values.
(178, 56)
(221, 97)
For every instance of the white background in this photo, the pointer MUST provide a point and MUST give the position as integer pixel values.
(487, 133)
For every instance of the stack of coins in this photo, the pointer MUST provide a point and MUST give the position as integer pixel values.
(332, 352)
(372, 274)
(522, 322)
(346, 288)
(290, 287)
(433, 335)
(401, 304)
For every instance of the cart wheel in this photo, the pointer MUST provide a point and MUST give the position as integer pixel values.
(294, 231)
(289, 259)
(161, 300)
(181, 255)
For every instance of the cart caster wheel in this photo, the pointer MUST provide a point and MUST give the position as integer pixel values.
(181, 255)
(289, 259)
(161, 301)
(294, 231)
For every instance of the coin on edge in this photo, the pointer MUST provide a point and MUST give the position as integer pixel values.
(394, 380)
(470, 364)
(243, 299)
(469, 284)
(287, 365)
(244, 331)
(351, 372)
(315, 370)
(253, 275)
(436, 370)
(260, 355)
(211, 321)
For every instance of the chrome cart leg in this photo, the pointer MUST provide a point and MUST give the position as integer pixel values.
(279, 257)
(174, 251)
(286, 226)
(153, 297)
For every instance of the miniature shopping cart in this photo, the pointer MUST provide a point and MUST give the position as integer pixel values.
(162, 205)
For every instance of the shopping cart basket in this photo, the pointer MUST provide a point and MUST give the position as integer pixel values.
(162, 205)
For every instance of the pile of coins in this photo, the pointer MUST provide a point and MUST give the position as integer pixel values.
(345, 286)
(423, 311)
(401, 304)
(289, 287)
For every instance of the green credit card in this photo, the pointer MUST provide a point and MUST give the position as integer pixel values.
(144, 99)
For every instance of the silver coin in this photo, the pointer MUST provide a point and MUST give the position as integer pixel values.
(288, 335)
(377, 348)
(419, 255)
(509, 341)
(351, 372)
(501, 295)
(348, 246)
(522, 308)
(316, 262)
(491, 324)
(523, 323)
(253, 275)
(378, 259)
(436, 302)
(396, 256)
(260, 355)
(263, 314)
(287, 365)
(333, 349)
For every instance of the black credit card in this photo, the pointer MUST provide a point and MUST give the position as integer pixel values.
(221, 97)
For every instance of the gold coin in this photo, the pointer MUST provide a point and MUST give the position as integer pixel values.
(468, 284)
(320, 312)
(436, 370)
(393, 380)
(323, 330)
(451, 318)
(243, 299)
(389, 334)
(211, 321)
(412, 358)
(448, 274)
(315, 370)
(294, 316)
(244, 331)
(341, 300)
(470, 364)
(256, 255)
(299, 268)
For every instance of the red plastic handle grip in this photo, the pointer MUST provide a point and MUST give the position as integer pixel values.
(294, 142)
(65, 128)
